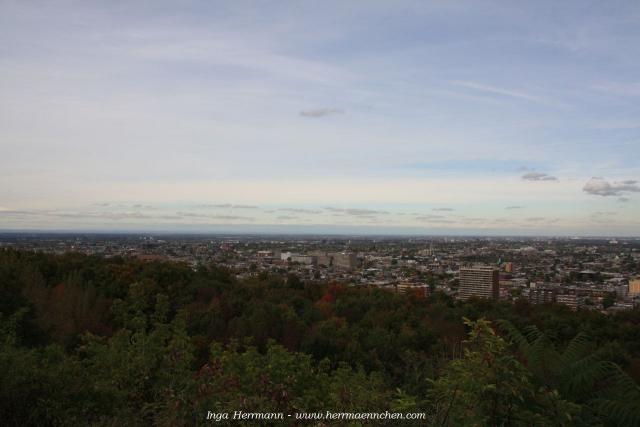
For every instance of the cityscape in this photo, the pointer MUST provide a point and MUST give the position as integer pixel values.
(581, 273)
(336, 213)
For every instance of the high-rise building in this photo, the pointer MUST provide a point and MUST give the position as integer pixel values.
(479, 282)
(345, 260)
(634, 287)
(323, 258)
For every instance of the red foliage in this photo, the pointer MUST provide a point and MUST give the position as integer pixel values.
(417, 294)
(328, 297)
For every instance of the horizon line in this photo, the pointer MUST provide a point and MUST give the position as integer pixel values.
(306, 233)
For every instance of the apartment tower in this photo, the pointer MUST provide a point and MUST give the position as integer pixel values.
(478, 281)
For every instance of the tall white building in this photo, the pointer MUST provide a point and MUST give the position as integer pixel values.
(479, 282)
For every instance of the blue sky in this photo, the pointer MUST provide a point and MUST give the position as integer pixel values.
(442, 117)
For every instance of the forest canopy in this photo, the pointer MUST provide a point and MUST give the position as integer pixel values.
(87, 340)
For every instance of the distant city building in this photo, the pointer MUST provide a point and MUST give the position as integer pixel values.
(569, 300)
(346, 260)
(508, 267)
(542, 294)
(152, 257)
(304, 259)
(504, 292)
(415, 288)
(621, 306)
(634, 287)
(622, 291)
(285, 256)
(478, 281)
(324, 258)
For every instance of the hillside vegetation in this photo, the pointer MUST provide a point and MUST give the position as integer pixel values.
(91, 341)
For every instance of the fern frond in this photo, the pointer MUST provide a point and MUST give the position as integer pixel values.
(532, 333)
(543, 359)
(618, 412)
(514, 335)
(577, 348)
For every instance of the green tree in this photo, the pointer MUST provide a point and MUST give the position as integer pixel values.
(142, 374)
(488, 386)
(580, 373)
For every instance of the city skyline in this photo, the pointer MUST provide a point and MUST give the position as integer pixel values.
(408, 118)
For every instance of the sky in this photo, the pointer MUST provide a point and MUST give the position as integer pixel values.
(383, 117)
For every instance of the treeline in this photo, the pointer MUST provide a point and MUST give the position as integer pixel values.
(92, 341)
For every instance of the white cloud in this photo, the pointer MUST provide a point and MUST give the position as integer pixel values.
(598, 186)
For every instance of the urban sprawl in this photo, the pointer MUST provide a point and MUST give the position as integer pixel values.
(581, 273)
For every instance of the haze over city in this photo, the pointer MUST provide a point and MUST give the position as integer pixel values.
(327, 117)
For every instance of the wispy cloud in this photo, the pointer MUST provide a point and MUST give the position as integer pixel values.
(538, 176)
(618, 88)
(501, 91)
(428, 217)
(603, 217)
(94, 216)
(356, 212)
(206, 47)
(172, 217)
(191, 214)
(434, 219)
(617, 124)
(225, 206)
(299, 210)
(200, 216)
(443, 209)
(232, 218)
(320, 112)
(213, 205)
(541, 219)
(535, 218)
(513, 207)
(286, 218)
(113, 216)
(15, 212)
